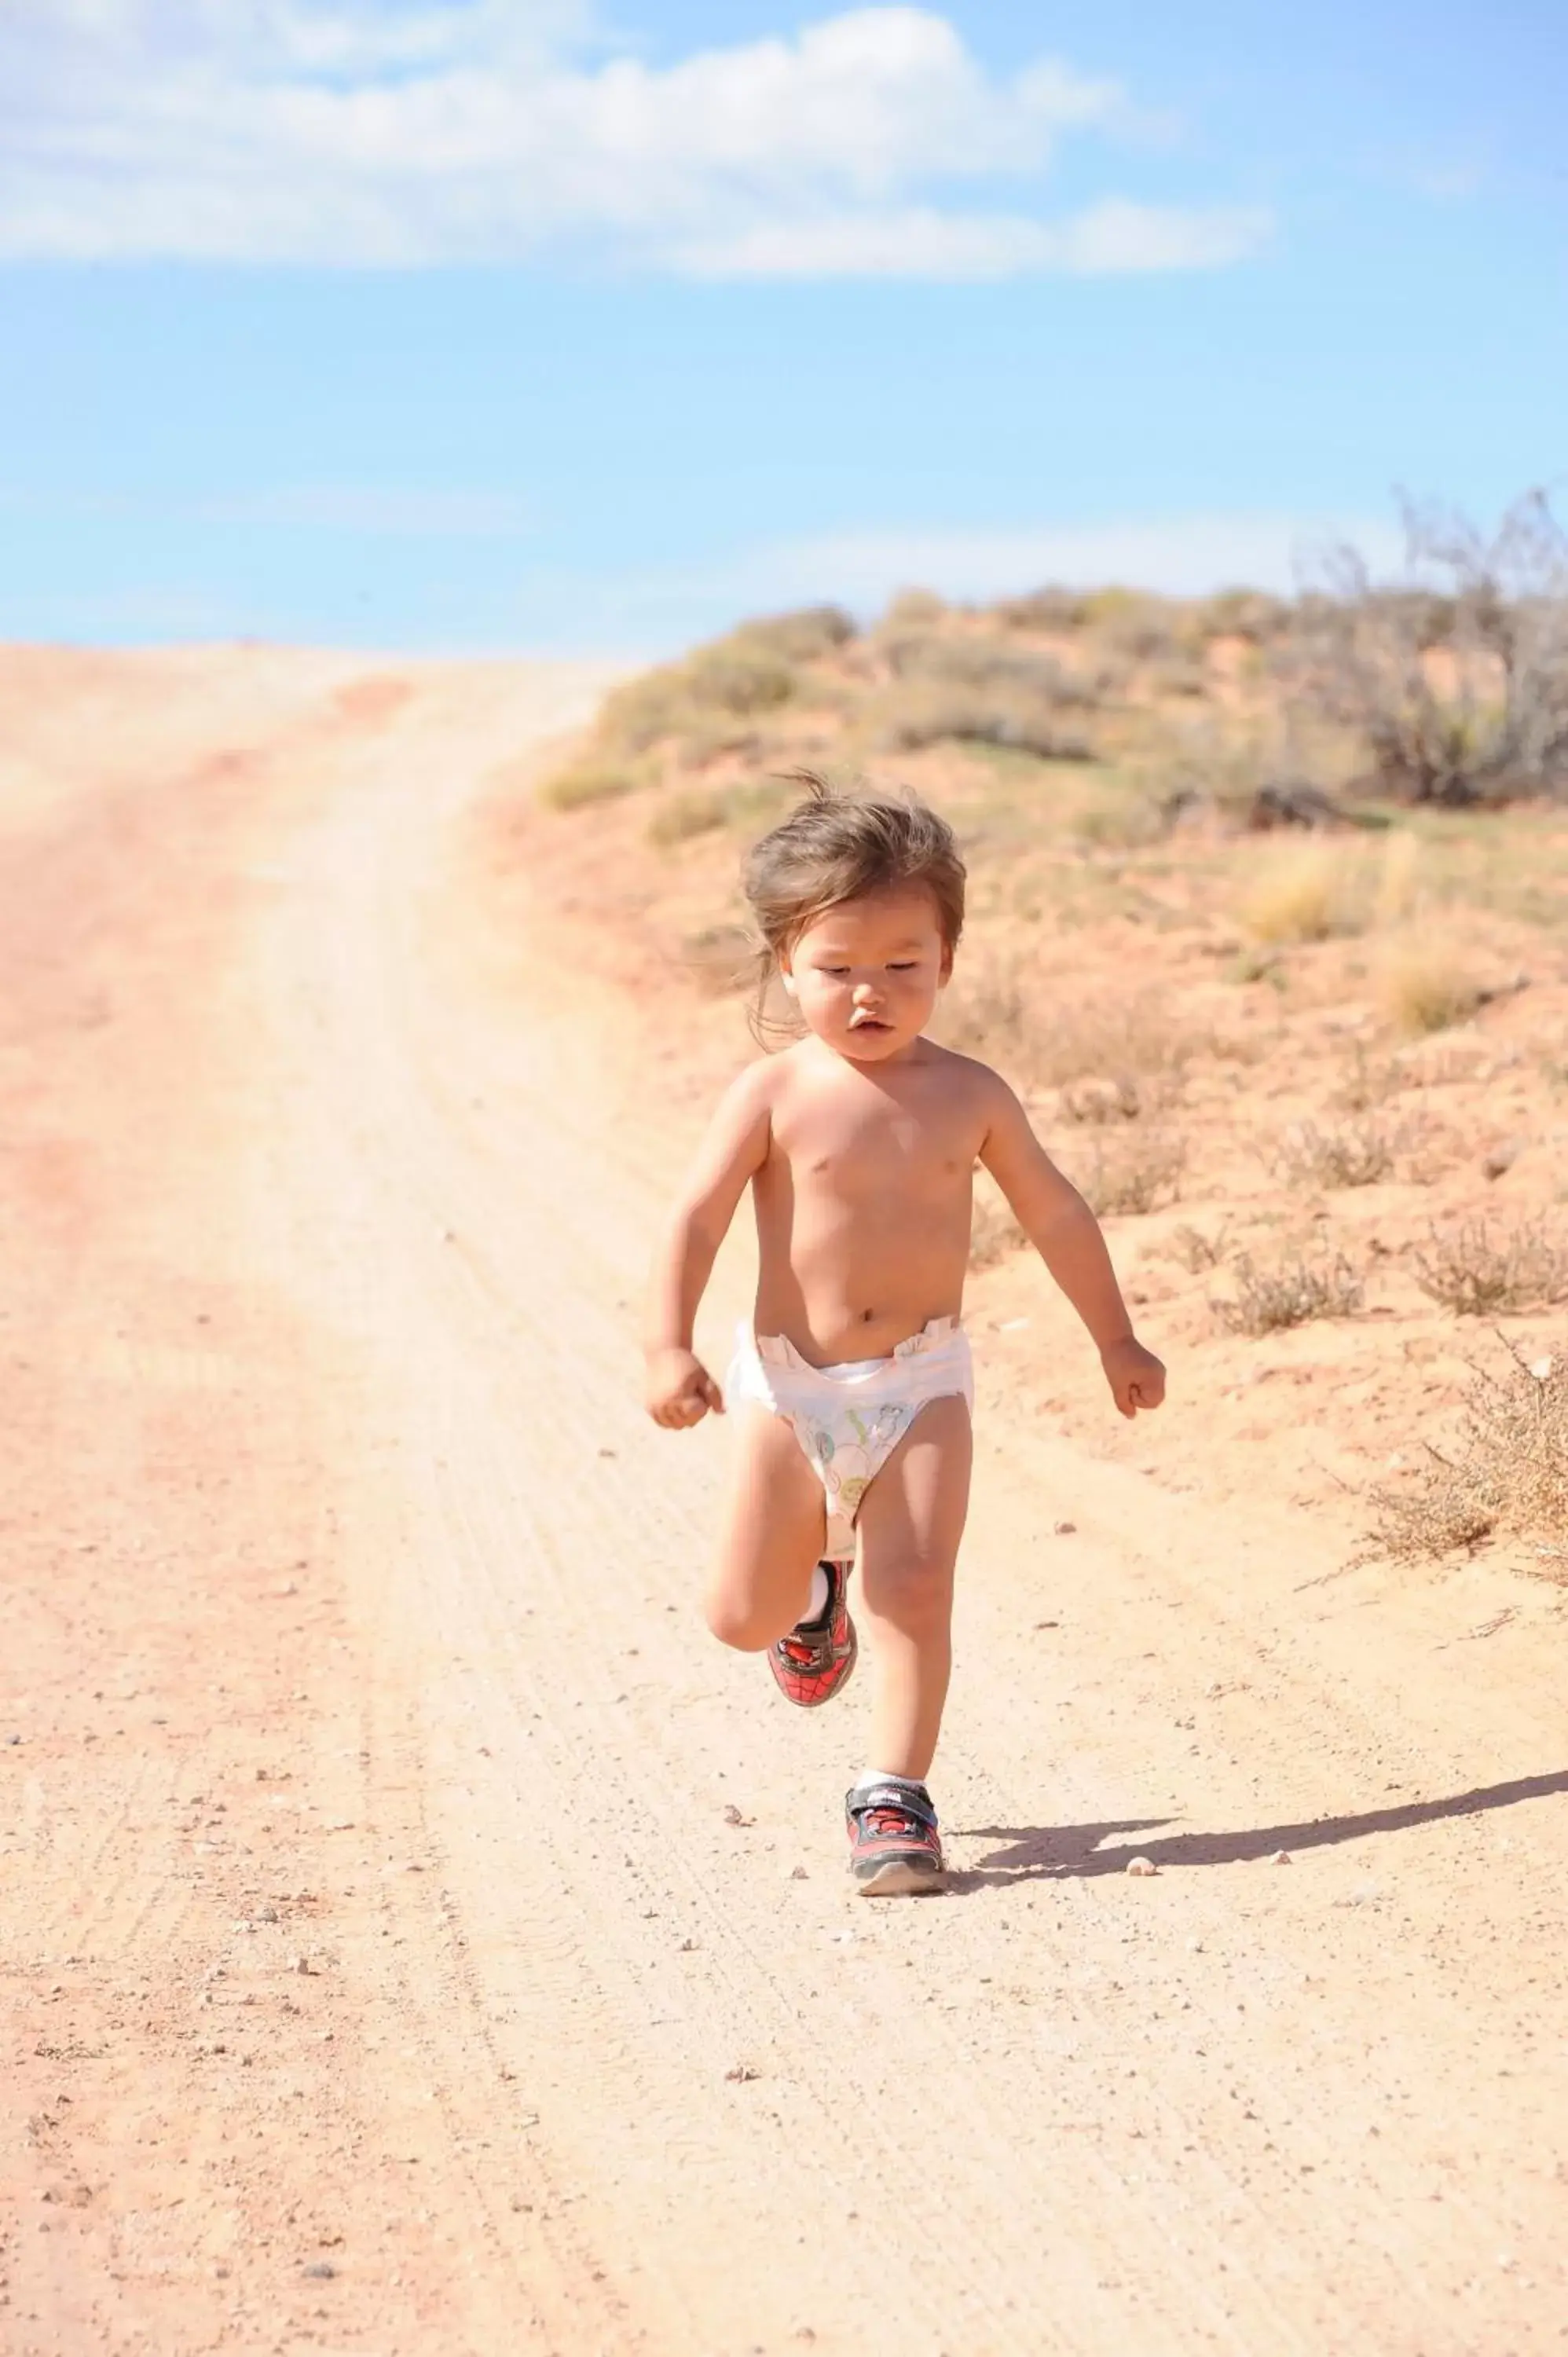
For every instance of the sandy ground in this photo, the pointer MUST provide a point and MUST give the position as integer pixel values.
(384, 1968)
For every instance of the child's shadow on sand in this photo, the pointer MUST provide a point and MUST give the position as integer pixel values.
(1061, 1852)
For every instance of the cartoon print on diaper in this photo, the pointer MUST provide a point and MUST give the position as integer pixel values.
(851, 1451)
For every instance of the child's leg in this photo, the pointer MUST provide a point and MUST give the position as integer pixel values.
(774, 1531)
(910, 1522)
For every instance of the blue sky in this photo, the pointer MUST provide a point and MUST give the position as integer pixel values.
(524, 323)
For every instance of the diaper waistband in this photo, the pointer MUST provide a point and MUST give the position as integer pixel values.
(777, 1351)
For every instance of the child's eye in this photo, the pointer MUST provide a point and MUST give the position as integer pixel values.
(907, 966)
(838, 972)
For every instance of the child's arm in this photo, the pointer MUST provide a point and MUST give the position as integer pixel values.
(1066, 1234)
(680, 1390)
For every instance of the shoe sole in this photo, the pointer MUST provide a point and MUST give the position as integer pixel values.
(900, 1878)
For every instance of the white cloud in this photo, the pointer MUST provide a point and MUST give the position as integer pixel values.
(485, 130)
(922, 242)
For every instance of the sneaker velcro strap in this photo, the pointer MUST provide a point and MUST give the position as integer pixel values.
(910, 1800)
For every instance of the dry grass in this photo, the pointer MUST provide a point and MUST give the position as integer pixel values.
(1295, 1290)
(589, 781)
(1308, 892)
(1420, 989)
(998, 1012)
(1357, 1156)
(690, 811)
(1478, 1274)
(1140, 1175)
(1508, 1472)
(1196, 1249)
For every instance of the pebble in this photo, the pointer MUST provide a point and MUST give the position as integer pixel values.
(1142, 1866)
(732, 1816)
(1064, 1530)
(1280, 1857)
(303, 1964)
(799, 1874)
(321, 2270)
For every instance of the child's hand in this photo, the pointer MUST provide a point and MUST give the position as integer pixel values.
(679, 1390)
(1137, 1379)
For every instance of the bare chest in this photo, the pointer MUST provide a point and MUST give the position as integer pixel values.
(864, 1153)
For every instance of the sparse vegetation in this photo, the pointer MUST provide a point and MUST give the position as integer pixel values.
(1421, 989)
(1295, 1289)
(1456, 680)
(1507, 1473)
(993, 1231)
(590, 782)
(1138, 1175)
(1306, 893)
(1357, 1156)
(1476, 1272)
(1114, 905)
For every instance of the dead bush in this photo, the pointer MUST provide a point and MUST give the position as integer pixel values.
(1476, 1272)
(1456, 678)
(996, 1009)
(1296, 1289)
(1354, 1157)
(1195, 1250)
(721, 959)
(1508, 1472)
(1136, 1176)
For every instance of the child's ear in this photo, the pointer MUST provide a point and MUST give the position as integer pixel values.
(944, 970)
(787, 978)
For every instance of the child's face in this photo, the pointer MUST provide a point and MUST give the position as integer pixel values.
(865, 975)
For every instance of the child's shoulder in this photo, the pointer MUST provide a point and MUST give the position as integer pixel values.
(966, 1073)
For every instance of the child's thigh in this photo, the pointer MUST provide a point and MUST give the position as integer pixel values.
(775, 1524)
(913, 1515)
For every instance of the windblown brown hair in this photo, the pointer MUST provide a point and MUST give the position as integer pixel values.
(835, 847)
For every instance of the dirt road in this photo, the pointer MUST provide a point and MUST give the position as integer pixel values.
(385, 1969)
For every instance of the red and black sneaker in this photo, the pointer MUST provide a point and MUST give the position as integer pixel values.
(893, 1846)
(813, 1661)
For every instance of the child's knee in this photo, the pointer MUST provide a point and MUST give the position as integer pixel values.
(915, 1593)
(737, 1624)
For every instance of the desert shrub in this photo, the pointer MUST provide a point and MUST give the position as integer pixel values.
(1508, 1470)
(914, 609)
(1240, 614)
(690, 811)
(707, 736)
(1306, 893)
(1456, 680)
(1097, 1103)
(1133, 623)
(740, 677)
(1420, 987)
(1368, 1084)
(1475, 1273)
(1298, 1288)
(804, 636)
(979, 662)
(1177, 675)
(995, 1009)
(1044, 609)
(1196, 1250)
(590, 781)
(933, 712)
(636, 715)
(1137, 1175)
(1120, 823)
(1354, 1157)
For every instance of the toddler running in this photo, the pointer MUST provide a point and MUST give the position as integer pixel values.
(851, 1386)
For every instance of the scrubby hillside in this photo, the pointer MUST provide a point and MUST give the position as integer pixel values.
(1289, 1000)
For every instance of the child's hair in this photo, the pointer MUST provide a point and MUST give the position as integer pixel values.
(835, 847)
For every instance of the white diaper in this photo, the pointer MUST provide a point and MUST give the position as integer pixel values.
(850, 1418)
